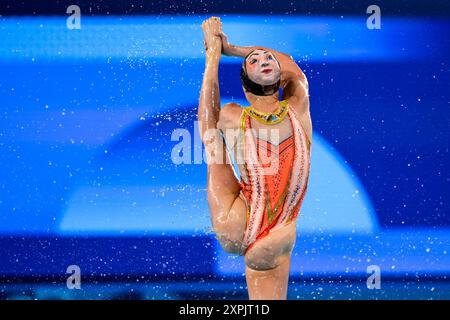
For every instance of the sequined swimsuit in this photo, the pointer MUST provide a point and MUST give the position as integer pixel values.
(274, 190)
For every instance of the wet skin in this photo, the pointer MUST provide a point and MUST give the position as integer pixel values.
(268, 260)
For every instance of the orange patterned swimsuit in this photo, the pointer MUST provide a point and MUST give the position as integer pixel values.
(277, 179)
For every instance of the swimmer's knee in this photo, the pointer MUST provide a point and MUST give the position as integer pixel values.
(260, 259)
(228, 242)
(231, 247)
(263, 257)
(260, 265)
(267, 263)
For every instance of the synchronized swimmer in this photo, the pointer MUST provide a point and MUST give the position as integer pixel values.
(256, 216)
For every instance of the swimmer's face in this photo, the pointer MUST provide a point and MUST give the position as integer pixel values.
(262, 67)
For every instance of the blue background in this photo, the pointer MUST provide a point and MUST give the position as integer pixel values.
(89, 120)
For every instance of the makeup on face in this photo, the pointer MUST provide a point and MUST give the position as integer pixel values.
(254, 60)
(263, 72)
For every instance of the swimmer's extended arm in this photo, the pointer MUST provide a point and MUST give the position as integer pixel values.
(293, 80)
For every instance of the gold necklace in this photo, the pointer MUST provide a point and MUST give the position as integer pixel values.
(270, 118)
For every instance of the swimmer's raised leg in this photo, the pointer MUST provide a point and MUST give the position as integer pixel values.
(227, 208)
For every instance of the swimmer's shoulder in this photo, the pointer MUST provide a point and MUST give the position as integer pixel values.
(229, 116)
